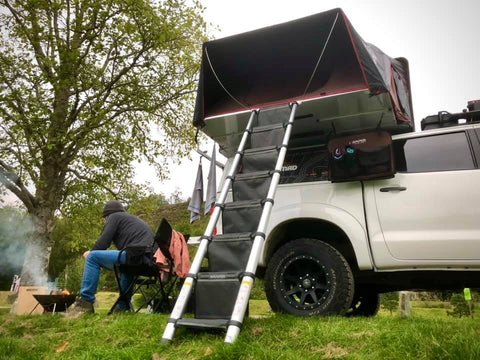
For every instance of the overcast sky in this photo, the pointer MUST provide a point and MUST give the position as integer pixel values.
(440, 39)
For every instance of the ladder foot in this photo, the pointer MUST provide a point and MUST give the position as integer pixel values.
(164, 341)
(232, 334)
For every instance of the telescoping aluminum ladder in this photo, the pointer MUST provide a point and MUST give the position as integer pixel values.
(222, 293)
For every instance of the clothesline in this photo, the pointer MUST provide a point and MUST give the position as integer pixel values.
(204, 154)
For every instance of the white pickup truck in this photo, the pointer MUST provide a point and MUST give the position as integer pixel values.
(327, 242)
(331, 248)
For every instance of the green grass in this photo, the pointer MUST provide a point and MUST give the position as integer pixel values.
(4, 298)
(429, 334)
(274, 337)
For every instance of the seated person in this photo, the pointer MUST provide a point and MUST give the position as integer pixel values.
(124, 230)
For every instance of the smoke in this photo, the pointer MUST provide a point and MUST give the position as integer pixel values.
(34, 269)
(15, 229)
(11, 255)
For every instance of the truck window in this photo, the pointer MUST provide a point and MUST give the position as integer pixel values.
(433, 153)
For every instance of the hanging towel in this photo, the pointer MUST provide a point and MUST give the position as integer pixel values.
(197, 195)
(212, 183)
(179, 251)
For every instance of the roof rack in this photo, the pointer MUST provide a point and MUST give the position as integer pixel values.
(446, 119)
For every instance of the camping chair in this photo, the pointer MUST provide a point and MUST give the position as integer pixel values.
(146, 274)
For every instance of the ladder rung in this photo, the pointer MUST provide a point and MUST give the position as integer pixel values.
(260, 149)
(213, 324)
(233, 237)
(227, 275)
(253, 175)
(268, 128)
(242, 204)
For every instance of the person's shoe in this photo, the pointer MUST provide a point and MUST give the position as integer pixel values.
(81, 307)
(117, 310)
(122, 308)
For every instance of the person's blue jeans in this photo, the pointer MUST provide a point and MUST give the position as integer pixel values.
(91, 274)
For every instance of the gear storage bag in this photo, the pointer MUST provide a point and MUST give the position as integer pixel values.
(375, 161)
(229, 252)
(361, 157)
(241, 216)
(270, 135)
(215, 295)
(260, 159)
(251, 186)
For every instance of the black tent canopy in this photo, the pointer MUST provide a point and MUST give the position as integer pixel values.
(308, 58)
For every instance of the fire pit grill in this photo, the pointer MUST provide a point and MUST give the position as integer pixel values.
(54, 303)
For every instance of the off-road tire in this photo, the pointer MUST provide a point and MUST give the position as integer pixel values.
(307, 277)
(364, 304)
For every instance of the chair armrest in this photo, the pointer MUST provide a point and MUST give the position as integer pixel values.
(194, 240)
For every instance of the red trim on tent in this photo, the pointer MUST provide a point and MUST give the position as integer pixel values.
(288, 101)
(355, 49)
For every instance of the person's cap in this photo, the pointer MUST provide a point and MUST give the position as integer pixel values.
(111, 207)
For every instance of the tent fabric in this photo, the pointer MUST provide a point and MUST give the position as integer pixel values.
(311, 57)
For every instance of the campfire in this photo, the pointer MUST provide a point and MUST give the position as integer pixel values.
(49, 296)
(60, 292)
(56, 301)
(41, 300)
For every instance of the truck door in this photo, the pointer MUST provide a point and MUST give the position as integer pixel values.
(430, 210)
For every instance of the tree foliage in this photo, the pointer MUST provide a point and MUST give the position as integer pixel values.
(460, 306)
(74, 234)
(82, 85)
(390, 301)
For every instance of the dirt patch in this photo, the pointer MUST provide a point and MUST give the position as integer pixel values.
(257, 331)
(294, 333)
(8, 321)
(331, 351)
(256, 317)
(156, 356)
(360, 334)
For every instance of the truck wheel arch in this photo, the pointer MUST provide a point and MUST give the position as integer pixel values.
(313, 228)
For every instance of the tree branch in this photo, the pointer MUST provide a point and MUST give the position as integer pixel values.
(102, 96)
(13, 183)
(95, 182)
(33, 39)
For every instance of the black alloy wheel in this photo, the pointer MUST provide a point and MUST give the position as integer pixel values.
(308, 277)
(305, 282)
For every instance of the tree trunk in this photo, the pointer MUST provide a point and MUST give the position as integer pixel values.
(38, 249)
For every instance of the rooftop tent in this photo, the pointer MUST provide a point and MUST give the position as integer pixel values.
(310, 58)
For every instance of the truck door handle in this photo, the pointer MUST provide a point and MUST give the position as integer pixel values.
(393, 188)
